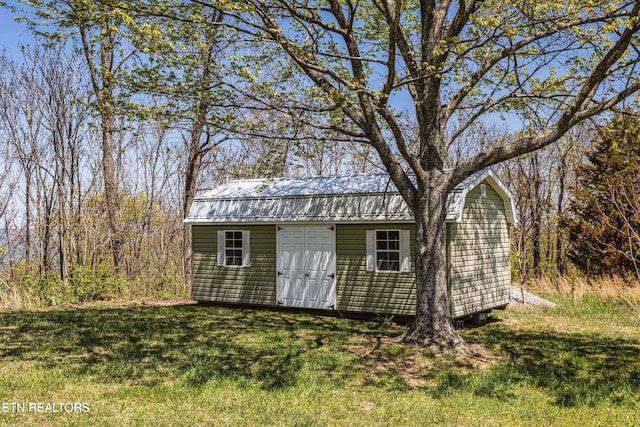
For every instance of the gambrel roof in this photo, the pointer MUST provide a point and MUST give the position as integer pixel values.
(326, 199)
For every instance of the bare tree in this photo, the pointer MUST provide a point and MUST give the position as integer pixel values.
(43, 123)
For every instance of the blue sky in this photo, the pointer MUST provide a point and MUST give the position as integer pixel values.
(12, 34)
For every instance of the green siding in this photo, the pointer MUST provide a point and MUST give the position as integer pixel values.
(239, 285)
(375, 292)
(479, 255)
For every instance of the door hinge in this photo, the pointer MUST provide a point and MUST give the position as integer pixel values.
(279, 228)
(332, 275)
(331, 228)
(332, 307)
(280, 273)
(279, 303)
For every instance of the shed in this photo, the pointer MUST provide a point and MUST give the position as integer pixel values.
(345, 243)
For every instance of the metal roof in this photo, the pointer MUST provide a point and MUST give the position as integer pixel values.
(294, 187)
(325, 199)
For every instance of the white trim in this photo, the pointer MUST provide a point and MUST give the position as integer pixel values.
(370, 236)
(246, 248)
(404, 251)
(221, 248)
(229, 223)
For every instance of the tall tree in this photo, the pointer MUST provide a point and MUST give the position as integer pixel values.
(604, 218)
(183, 71)
(106, 37)
(562, 61)
(202, 100)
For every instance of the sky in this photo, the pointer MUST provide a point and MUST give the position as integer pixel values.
(12, 34)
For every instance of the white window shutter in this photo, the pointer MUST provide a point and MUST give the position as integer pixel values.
(371, 250)
(246, 248)
(405, 251)
(221, 248)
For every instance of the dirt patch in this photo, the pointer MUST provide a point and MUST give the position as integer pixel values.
(149, 301)
(417, 366)
(165, 302)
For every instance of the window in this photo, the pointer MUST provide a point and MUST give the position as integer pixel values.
(233, 248)
(388, 250)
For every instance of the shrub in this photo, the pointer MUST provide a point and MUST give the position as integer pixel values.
(26, 286)
(96, 284)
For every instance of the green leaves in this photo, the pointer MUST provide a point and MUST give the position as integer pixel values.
(605, 211)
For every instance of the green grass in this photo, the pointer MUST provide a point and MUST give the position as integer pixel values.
(193, 365)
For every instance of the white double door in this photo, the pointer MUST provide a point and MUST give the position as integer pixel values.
(306, 259)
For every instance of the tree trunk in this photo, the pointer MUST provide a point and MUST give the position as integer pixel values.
(561, 264)
(27, 206)
(190, 188)
(536, 215)
(111, 191)
(60, 183)
(47, 217)
(62, 233)
(106, 105)
(433, 324)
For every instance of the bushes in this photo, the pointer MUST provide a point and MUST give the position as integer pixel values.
(97, 284)
(26, 286)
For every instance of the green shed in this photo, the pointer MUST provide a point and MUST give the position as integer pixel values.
(345, 243)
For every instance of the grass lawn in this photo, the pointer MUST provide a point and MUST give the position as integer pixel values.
(191, 365)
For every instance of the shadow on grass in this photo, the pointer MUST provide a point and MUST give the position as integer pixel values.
(571, 369)
(188, 344)
(194, 346)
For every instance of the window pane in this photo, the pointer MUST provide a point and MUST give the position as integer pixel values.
(381, 244)
(388, 250)
(233, 257)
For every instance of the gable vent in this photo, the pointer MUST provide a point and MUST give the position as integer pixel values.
(483, 190)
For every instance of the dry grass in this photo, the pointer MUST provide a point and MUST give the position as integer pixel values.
(579, 286)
